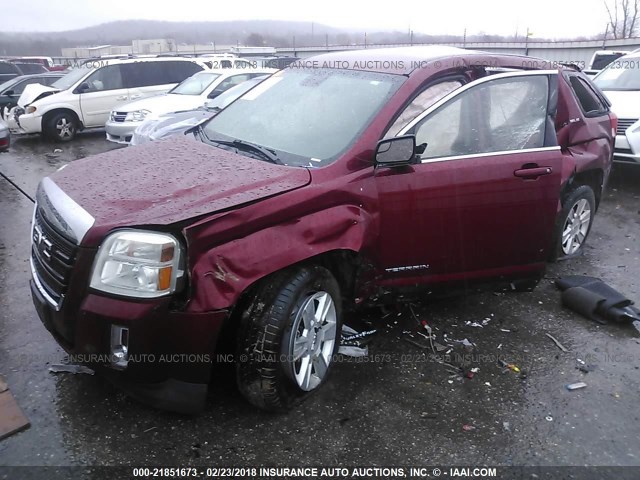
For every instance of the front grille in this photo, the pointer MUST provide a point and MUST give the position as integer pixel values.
(119, 116)
(52, 256)
(624, 123)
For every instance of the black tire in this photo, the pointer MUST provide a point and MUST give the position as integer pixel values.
(265, 374)
(61, 127)
(563, 249)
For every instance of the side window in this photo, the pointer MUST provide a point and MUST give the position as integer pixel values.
(227, 83)
(175, 72)
(105, 78)
(419, 104)
(140, 74)
(501, 114)
(588, 100)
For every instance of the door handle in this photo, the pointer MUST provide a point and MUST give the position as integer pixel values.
(531, 173)
(121, 98)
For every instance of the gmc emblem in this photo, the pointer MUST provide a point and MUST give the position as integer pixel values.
(41, 241)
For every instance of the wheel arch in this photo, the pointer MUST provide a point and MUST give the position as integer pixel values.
(593, 178)
(51, 113)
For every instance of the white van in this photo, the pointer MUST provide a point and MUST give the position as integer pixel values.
(86, 95)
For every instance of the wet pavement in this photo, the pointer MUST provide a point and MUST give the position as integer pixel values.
(396, 406)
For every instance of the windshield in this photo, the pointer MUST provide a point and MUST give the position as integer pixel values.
(621, 74)
(306, 115)
(195, 84)
(225, 98)
(70, 79)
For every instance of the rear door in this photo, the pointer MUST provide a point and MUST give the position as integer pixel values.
(583, 122)
(105, 91)
(146, 79)
(482, 202)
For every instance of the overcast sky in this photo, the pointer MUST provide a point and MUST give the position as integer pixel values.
(545, 18)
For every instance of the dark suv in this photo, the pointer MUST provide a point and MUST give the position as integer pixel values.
(9, 70)
(340, 178)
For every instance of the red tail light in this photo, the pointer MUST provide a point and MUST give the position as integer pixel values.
(614, 123)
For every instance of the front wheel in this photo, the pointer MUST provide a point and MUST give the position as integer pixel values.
(574, 222)
(288, 337)
(62, 127)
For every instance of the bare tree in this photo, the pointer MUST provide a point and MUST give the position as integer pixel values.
(623, 20)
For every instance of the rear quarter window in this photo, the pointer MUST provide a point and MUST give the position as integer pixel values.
(587, 99)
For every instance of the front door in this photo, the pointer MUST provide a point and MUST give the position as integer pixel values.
(482, 202)
(103, 92)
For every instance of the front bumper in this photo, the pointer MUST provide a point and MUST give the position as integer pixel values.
(627, 147)
(120, 132)
(26, 123)
(170, 353)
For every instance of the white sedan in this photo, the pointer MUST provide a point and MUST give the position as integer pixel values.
(191, 93)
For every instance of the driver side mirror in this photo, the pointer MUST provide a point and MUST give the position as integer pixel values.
(9, 93)
(396, 152)
(83, 87)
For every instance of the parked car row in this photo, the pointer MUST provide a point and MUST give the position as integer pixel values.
(85, 97)
(317, 191)
(191, 93)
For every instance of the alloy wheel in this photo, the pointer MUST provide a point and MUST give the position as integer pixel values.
(576, 227)
(312, 340)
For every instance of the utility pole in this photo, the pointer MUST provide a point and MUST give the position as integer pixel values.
(365, 39)
(464, 39)
(604, 40)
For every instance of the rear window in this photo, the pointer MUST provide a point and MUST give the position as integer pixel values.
(29, 68)
(588, 100)
(7, 68)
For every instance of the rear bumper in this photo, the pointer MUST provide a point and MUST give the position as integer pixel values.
(170, 353)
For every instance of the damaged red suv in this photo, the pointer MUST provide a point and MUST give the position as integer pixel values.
(337, 179)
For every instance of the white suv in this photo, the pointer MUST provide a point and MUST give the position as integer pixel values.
(620, 81)
(86, 95)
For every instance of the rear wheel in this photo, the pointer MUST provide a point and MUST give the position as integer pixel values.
(62, 127)
(288, 337)
(574, 222)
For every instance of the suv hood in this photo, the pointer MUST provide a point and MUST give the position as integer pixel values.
(624, 103)
(33, 92)
(159, 104)
(168, 181)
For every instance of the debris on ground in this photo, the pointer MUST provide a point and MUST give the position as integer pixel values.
(576, 386)
(509, 366)
(549, 418)
(75, 369)
(506, 426)
(12, 420)
(468, 428)
(595, 300)
(586, 368)
(560, 346)
(353, 343)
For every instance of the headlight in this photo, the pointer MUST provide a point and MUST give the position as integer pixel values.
(136, 116)
(136, 263)
(30, 109)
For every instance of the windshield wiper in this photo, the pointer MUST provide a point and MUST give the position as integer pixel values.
(248, 146)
